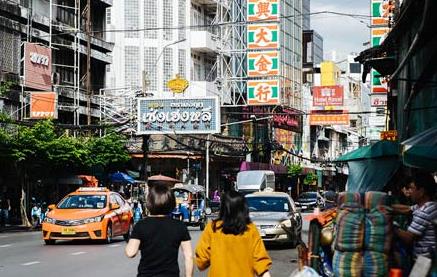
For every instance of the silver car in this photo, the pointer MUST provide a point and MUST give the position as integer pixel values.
(276, 217)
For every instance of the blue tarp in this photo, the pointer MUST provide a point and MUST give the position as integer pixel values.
(120, 177)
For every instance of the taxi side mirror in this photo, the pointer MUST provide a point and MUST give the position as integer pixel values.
(115, 206)
(51, 207)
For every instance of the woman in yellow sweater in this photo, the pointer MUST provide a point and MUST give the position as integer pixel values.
(231, 245)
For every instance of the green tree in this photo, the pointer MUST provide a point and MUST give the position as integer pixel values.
(40, 150)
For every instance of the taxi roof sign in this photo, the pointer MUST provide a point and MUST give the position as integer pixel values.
(89, 189)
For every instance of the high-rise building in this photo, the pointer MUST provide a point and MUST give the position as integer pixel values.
(312, 54)
(55, 31)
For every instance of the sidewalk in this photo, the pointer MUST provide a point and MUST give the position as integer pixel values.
(16, 228)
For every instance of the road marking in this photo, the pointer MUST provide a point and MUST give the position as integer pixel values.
(2, 237)
(31, 263)
(114, 245)
(77, 253)
(5, 245)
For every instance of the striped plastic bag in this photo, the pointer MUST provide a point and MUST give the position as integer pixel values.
(378, 230)
(350, 229)
(347, 264)
(375, 264)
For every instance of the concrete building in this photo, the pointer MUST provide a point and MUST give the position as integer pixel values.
(61, 25)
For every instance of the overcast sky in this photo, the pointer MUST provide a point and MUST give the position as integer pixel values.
(340, 33)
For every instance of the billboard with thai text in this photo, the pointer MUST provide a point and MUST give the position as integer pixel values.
(37, 66)
(43, 105)
(178, 115)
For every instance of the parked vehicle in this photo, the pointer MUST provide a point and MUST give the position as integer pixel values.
(310, 200)
(88, 213)
(255, 180)
(276, 217)
(190, 205)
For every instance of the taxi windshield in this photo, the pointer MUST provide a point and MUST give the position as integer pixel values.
(83, 202)
(268, 204)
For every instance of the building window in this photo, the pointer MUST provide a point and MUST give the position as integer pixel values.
(150, 54)
(131, 18)
(355, 68)
(181, 63)
(168, 67)
(108, 16)
(131, 66)
(181, 19)
(150, 19)
(353, 123)
(167, 15)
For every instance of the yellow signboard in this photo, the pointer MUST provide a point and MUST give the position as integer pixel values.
(178, 84)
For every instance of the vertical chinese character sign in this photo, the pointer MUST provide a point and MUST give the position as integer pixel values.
(262, 64)
(263, 92)
(262, 10)
(264, 36)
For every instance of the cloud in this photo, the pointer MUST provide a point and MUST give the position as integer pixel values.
(341, 33)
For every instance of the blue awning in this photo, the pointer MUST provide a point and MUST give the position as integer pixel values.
(120, 177)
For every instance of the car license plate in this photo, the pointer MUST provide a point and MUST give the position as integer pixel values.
(262, 233)
(304, 207)
(68, 231)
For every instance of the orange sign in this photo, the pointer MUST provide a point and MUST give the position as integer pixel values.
(329, 119)
(43, 105)
(263, 64)
(389, 135)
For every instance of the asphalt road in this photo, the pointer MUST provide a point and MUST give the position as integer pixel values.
(24, 254)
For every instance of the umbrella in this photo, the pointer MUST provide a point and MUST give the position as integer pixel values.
(421, 150)
(120, 177)
(163, 178)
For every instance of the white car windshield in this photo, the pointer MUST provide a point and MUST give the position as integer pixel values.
(268, 204)
(83, 202)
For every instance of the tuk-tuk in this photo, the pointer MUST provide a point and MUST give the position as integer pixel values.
(190, 205)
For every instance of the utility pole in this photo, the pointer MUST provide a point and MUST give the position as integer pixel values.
(88, 60)
(145, 143)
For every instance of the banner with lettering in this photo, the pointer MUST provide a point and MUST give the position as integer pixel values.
(178, 116)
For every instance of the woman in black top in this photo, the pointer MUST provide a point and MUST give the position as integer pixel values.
(159, 238)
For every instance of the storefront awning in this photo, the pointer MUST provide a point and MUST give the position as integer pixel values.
(421, 150)
(376, 150)
(169, 156)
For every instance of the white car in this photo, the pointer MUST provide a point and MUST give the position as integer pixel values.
(276, 217)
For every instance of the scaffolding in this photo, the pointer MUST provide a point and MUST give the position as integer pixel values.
(55, 45)
(231, 59)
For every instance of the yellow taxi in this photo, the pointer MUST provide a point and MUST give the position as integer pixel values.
(88, 213)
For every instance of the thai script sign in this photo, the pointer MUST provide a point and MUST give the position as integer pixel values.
(179, 116)
(287, 119)
(263, 64)
(262, 10)
(263, 92)
(265, 36)
(378, 100)
(43, 105)
(329, 119)
(37, 66)
(328, 96)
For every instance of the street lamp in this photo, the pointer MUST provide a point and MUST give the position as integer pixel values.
(145, 144)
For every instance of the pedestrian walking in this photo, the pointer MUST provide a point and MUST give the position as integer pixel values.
(5, 206)
(35, 213)
(137, 211)
(159, 237)
(231, 245)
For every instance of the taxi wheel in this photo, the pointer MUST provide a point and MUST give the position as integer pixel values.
(49, 241)
(108, 233)
(129, 231)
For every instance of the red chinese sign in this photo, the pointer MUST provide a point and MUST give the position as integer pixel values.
(328, 96)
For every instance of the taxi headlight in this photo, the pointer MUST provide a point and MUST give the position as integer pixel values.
(93, 219)
(49, 220)
(285, 223)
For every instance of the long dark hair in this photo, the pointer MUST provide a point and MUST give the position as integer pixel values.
(234, 214)
(160, 200)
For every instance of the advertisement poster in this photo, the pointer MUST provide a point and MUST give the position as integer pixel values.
(328, 96)
(43, 105)
(37, 66)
